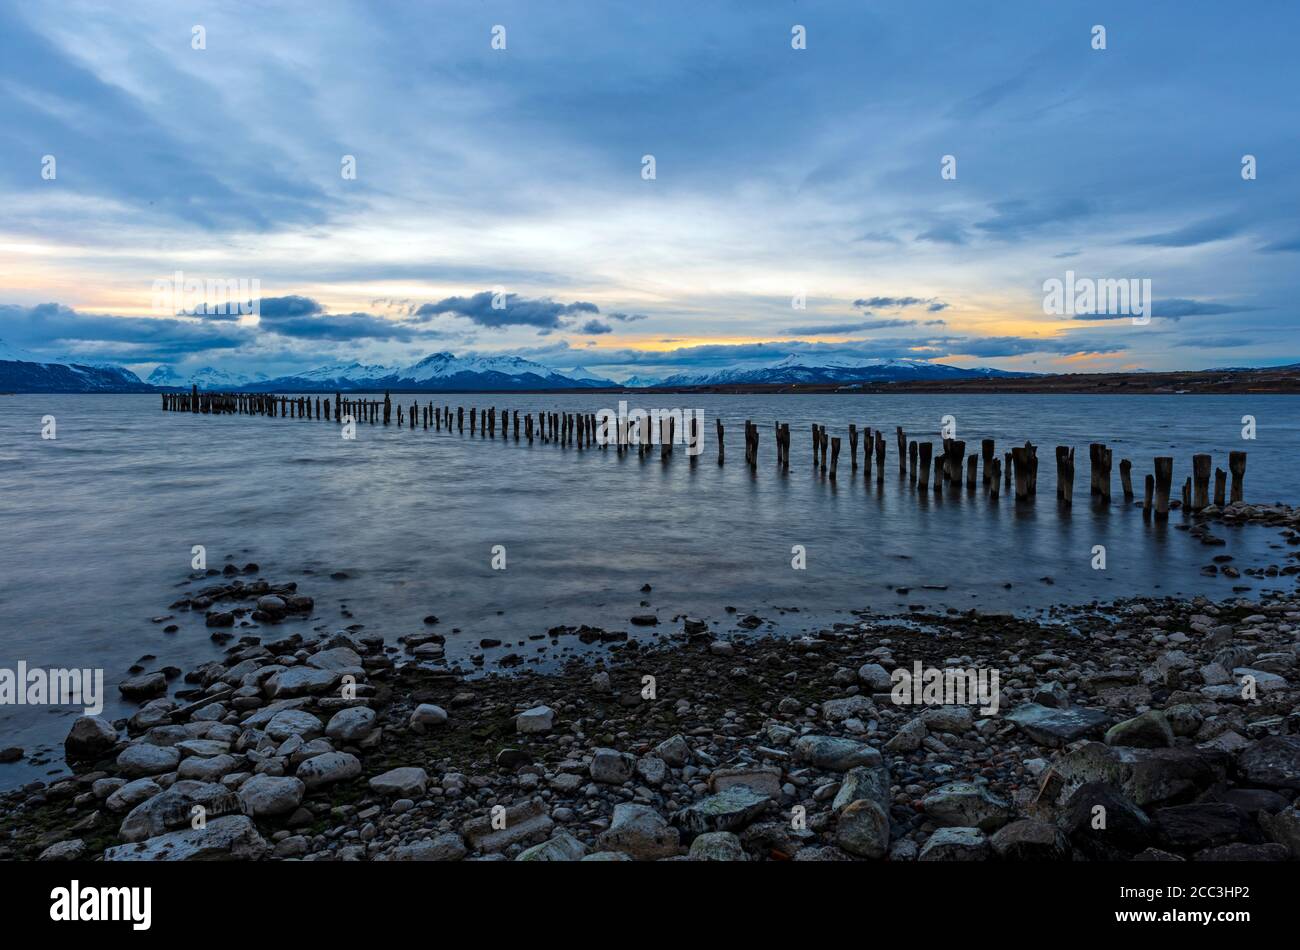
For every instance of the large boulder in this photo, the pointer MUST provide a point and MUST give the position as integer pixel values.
(405, 782)
(1273, 762)
(231, 838)
(639, 831)
(835, 754)
(89, 738)
(955, 844)
(328, 768)
(862, 807)
(177, 807)
(966, 805)
(352, 724)
(265, 796)
(1057, 727)
(145, 758)
(729, 810)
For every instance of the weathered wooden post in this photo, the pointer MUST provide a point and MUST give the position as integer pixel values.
(869, 444)
(911, 462)
(853, 446)
(1065, 473)
(995, 477)
(826, 444)
(722, 452)
(986, 453)
(388, 407)
(835, 455)
(1187, 493)
(902, 451)
(1150, 486)
(817, 443)
(785, 444)
(880, 457)
(1201, 482)
(1020, 460)
(938, 473)
(1237, 466)
(1126, 478)
(1164, 466)
(1220, 487)
(924, 451)
(972, 472)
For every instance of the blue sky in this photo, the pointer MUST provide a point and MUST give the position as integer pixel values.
(779, 174)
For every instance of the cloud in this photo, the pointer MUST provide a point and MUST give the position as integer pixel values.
(596, 327)
(627, 317)
(1175, 308)
(945, 233)
(1018, 217)
(1216, 342)
(931, 304)
(544, 313)
(832, 329)
(1202, 232)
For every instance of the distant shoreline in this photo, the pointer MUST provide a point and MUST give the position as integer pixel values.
(1277, 381)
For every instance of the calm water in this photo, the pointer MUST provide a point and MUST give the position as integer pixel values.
(96, 526)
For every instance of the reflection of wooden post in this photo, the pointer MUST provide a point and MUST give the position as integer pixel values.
(1236, 465)
(1065, 473)
(1150, 483)
(923, 473)
(1126, 478)
(1200, 482)
(1164, 479)
(1220, 486)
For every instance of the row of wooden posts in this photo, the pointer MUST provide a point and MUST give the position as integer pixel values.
(916, 460)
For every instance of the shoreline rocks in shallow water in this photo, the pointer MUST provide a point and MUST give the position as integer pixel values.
(334, 746)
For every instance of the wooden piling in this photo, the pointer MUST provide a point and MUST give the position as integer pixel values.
(924, 451)
(835, 456)
(1126, 478)
(1237, 466)
(1201, 465)
(1220, 486)
(1065, 474)
(1164, 475)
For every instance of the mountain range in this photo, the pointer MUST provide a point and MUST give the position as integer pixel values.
(445, 372)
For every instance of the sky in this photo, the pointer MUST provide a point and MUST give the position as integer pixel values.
(649, 188)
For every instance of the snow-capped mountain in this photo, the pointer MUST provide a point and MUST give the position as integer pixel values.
(444, 372)
(206, 377)
(641, 382)
(22, 372)
(582, 374)
(798, 368)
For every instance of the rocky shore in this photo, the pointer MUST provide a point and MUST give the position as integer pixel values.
(1149, 729)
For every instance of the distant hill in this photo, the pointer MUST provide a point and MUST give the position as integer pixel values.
(21, 372)
(806, 370)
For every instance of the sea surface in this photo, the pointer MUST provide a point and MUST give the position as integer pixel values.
(97, 525)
